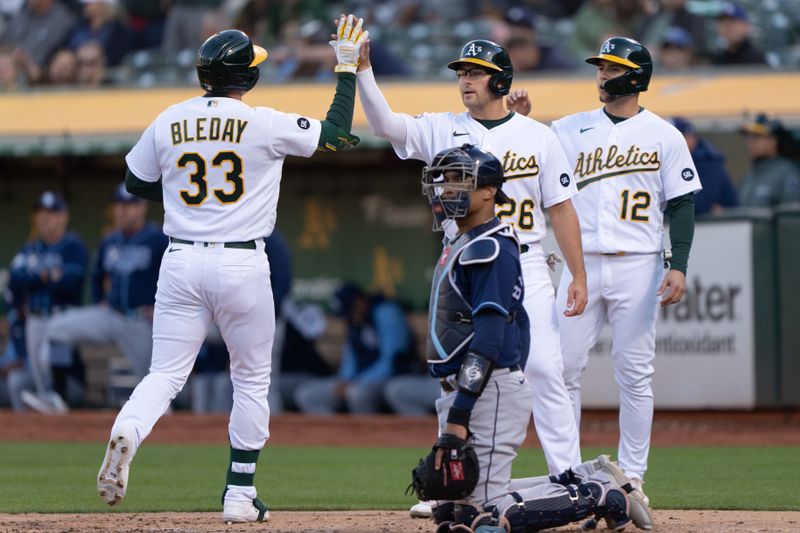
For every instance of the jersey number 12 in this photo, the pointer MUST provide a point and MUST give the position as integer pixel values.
(632, 204)
(198, 177)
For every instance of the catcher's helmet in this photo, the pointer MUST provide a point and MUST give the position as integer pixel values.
(492, 56)
(631, 54)
(227, 62)
(468, 168)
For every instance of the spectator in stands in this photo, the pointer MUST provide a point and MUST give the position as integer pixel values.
(305, 55)
(91, 65)
(9, 73)
(63, 69)
(718, 191)
(146, 22)
(47, 275)
(101, 23)
(677, 50)
(185, 25)
(673, 14)
(597, 20)
(379, 345)
(527, 54)
(124, 280)
(39, 29)
(773, 179)
(733, 26)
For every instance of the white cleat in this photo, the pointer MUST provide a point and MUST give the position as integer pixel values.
(421, 510)
(48, 403)
(236, 512)
(112, 480)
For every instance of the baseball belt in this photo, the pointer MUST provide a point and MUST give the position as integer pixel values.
(246, 245)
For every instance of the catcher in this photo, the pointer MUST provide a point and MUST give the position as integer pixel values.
(477, 346)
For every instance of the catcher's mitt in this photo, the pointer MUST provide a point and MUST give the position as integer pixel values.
(457, 477)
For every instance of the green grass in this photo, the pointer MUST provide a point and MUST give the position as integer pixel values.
(45, 477)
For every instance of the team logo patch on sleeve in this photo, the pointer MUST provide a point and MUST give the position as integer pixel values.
(687, 174)
(303, 123)
(564, 179)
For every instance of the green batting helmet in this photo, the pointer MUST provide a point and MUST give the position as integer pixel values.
(631, 54)
(227, 61)
(491, 56)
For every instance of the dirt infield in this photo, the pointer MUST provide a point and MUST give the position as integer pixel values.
(369, 522)
(598, 429)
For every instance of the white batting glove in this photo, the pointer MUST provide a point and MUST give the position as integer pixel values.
(552, 259)
(347, 44)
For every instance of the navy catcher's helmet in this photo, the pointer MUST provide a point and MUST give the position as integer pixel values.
(631, 54)
(227, 62)
(453, 174)
(492, 56)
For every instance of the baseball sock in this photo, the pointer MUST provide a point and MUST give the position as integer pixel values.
(241, 472)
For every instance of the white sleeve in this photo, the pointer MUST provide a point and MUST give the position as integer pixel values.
(383, 122)
(678, 173)
(291, 134)
(142, 160)
(556, 179)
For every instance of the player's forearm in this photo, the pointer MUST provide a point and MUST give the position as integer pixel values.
(681, 230)
(383, 122)
(340, 114)
(567, 229)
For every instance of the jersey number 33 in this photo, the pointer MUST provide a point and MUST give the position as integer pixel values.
(228, 161)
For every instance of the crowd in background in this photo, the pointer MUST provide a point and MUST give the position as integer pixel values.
(92, 43)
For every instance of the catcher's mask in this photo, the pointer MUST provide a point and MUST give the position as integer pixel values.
(453, 174)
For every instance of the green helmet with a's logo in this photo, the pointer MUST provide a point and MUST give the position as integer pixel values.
(628, 53)
(491, 56)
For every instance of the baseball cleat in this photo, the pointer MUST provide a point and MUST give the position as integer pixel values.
(112, 480)
(237, 511)
(617, 504)
(421, 510)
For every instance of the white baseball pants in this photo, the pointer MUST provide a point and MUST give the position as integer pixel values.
(622, 290)
(198, 285)
(552, 410)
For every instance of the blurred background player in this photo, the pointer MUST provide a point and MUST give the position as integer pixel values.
(379, 345)
(718, 191)
(124, 279)
(772, 179)
(47, 275)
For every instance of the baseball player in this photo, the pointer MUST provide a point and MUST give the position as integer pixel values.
(539, 179)
(216, 163)
(478, 341)
(123, 291)
(48, 274)
(629, 165)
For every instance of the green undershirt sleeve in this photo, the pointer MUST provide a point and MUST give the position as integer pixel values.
(681, 229)
(149, 190)
(339, 120)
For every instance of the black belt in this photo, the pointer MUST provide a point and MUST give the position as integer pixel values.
(447, 387)
(246, 245)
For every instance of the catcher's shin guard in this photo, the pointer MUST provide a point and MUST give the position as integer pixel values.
(581, 502)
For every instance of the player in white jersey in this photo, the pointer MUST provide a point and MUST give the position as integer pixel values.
(538, 178)
(216, 164)
(629, 165)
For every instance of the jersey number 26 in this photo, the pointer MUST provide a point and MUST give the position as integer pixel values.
(198, 177)
(524, 219)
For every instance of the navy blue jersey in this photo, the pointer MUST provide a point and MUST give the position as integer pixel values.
(50, 278)
(126, 268)
(492, 287)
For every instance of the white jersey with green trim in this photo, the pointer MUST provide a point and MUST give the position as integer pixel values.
(220, 162)
(625, 173)
(534, 163)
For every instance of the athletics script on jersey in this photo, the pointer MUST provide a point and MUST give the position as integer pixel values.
(207, 129)
(519, 166)
(599, 164)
